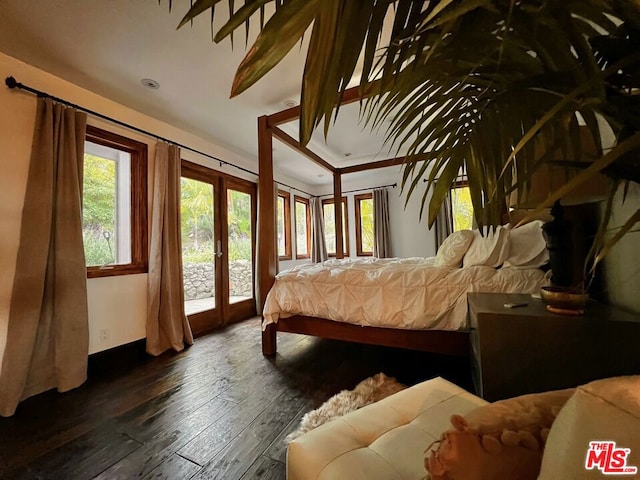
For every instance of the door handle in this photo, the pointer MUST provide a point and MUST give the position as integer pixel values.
(219, 252)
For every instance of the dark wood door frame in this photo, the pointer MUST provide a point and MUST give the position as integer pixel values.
(246, 308)
(223, 313)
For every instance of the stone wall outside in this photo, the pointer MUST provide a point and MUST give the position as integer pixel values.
(199, 280)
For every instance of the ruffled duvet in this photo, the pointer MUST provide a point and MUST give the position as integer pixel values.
(408, 293)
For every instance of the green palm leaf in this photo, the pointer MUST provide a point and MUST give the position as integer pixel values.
(478, 85)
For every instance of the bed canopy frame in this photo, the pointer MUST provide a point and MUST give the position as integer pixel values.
(438, 341)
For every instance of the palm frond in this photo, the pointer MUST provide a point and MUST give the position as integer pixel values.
(480, 85)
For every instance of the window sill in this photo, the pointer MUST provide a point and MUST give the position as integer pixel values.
(115, 270)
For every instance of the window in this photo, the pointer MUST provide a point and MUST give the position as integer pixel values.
(114, 210)
(364, 224)
(284, 225)
(303, 227)
(461, 207)
(330, 227)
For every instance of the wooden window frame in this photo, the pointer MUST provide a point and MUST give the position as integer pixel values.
(296, 200)
(287, 224)
(345, 225)
(139, 201)
(358, 199)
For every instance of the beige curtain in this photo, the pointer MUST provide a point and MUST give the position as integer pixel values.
(167, 325)
(381, 228)
(48, 334)
(318, 242)
(444, 221)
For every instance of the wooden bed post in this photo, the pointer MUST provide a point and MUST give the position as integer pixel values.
(337, 204)
(267, 255)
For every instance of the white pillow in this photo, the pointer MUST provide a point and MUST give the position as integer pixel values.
(453, 249)
(489, 250)
(527, 246)
(602, 411)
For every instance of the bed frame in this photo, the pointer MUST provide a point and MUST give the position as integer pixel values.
(436, 341)
(455, 343)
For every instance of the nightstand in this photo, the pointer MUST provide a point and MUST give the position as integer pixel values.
(527, 349)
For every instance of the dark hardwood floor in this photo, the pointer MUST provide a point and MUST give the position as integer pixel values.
(218, 410)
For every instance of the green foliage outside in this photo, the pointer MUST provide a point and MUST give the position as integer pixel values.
(99, 210)
(462, 209)
(196, 216)
(239, 221)
(196, 208)
(366, 223)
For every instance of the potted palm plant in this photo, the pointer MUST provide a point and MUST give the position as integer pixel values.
(470, 85)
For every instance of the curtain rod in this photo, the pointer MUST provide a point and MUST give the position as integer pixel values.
(294, 188)
(12, 83)
(392, 185)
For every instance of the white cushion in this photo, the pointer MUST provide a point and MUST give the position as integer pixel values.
(382, 441)
(527, 246)
(602, 411)
(453, 248)
(488, 250)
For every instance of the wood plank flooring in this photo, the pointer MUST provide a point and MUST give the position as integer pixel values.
(218, 410)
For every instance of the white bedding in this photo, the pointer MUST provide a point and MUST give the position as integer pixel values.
(408, 293)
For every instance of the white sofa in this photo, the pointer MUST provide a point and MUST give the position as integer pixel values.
(387, 440)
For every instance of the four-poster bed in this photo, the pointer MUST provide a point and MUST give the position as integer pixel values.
(439, 341)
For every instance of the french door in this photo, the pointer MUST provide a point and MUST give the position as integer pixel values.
(218, 247)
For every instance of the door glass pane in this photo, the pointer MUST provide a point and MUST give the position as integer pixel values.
(330, 228)
(240, 266)
(198, 245)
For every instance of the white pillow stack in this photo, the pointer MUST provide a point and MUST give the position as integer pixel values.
(453, 248)
(527, 246)
(489, 249)
(522, 247)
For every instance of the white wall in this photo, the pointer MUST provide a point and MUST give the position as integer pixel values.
(622, 263)
(410, 235)
(117, 304)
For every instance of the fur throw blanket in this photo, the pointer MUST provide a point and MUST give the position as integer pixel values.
(368, 391)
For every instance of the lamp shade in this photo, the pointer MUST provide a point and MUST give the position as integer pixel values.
(549, 177)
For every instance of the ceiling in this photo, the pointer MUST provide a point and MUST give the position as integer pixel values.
(109, 46)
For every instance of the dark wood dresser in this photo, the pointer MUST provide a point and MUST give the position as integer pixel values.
(527, 349)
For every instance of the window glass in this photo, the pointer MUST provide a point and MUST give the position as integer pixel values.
(364, 224)
(303, 228)
(330, 227)
(106, 210)
(462, 209)
(284, 225)
(114, 204)
(281, 228)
